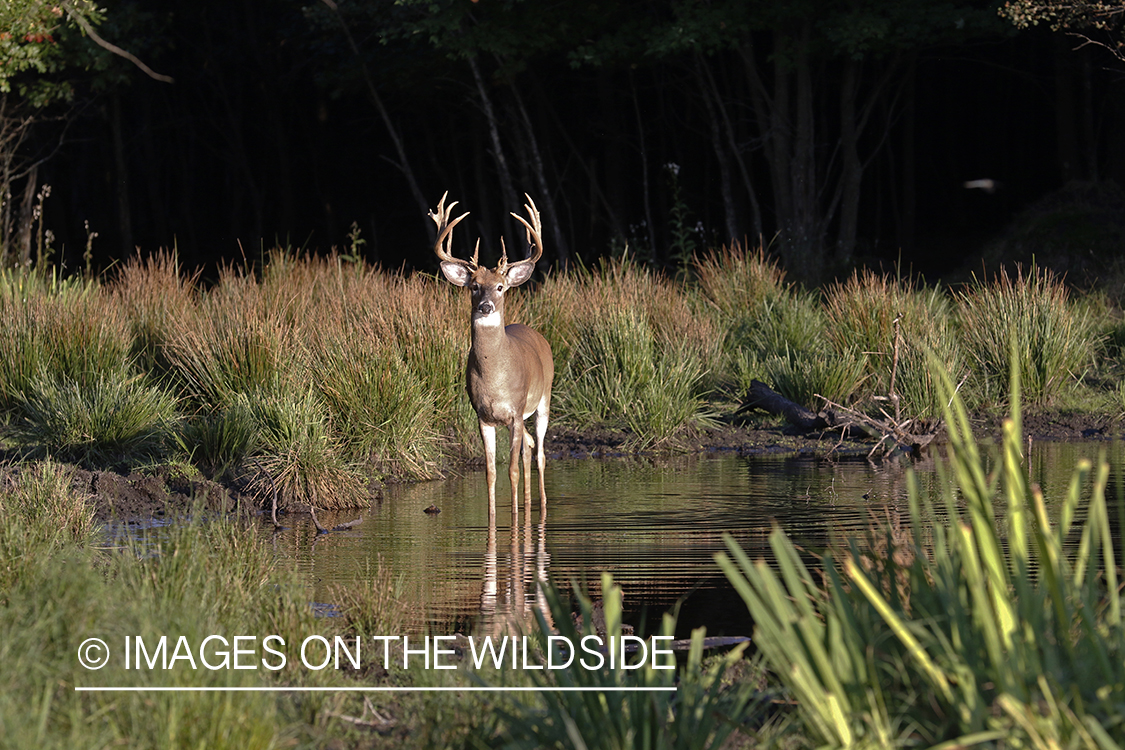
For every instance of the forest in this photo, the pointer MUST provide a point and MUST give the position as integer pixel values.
(834, 134)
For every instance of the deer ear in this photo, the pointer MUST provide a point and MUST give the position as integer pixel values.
(456, 273)
(519, 273)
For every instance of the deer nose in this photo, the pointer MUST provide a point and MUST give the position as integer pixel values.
(485, 307)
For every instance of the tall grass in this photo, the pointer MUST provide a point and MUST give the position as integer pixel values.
(977, 631)
(70, 331)
(375, 361)
(1055, 338)
(631, 351)
(112, 418)
(703, 712)
(861, 314)
(193, 580)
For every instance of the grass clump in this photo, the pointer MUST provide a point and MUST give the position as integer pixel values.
(298, 455)
(1054, 338)
(112, 418)
(630, 352)
(73, 333)
(876, 313)
(983, 630)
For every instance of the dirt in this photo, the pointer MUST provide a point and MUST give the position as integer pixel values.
(144, 495)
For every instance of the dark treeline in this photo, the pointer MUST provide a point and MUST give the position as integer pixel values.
(843, 131)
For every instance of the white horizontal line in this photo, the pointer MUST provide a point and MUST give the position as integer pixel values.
(372, 689)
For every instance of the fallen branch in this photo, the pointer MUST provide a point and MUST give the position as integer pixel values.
(761, 396)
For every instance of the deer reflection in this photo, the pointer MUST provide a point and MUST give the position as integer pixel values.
(512, 587)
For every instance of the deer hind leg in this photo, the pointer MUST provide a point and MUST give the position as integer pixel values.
(488, 437)
(541, 416)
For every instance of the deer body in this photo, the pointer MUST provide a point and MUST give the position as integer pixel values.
(510, 368)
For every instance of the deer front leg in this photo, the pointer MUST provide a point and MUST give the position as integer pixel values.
(488, 437)
(528, 446)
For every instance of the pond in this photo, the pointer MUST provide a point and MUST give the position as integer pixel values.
(654, 523)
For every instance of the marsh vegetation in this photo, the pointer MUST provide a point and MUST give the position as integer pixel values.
(316, 376)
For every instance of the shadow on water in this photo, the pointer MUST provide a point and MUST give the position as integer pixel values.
(654, 524)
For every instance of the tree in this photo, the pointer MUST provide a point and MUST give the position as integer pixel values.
(824, 81)
(44, 45)
(1095, 23)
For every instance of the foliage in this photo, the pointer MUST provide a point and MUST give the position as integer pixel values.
(1055, 338)
(1100, 23)
(32, 41)
(111, 418)
(985, 626)
(701, 713)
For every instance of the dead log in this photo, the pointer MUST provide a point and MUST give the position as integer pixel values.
(761, 396)
(911, 435)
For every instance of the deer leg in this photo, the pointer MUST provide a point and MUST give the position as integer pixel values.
(528, 445)
(488, 436)
(541, 415)
(516, 429)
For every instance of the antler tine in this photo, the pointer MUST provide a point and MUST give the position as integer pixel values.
(443, 247)
(534, 229)
(503, 257)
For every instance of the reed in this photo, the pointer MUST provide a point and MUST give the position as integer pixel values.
(983, 631)
(703, 712)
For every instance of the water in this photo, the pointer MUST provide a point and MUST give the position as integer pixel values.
(655, 524)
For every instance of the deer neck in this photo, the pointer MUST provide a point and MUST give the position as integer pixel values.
(490, 341)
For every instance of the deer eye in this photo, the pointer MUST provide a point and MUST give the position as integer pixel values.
(499, 287)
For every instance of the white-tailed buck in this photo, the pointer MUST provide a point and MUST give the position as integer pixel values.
(510, 368)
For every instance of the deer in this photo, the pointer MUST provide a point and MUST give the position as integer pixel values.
(510, 368)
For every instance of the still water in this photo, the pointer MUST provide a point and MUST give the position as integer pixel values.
(655, 524)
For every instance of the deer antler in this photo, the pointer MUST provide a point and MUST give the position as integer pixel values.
(534, 230)
(444, 244)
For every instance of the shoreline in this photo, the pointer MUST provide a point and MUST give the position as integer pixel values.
(145, 494)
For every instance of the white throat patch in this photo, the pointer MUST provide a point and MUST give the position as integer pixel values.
(493, 320)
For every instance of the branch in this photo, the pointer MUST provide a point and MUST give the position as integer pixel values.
(81, 21)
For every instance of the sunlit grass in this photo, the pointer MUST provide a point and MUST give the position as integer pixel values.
(987, 626)
(862, 312)
(1055, 338)
(375, 360)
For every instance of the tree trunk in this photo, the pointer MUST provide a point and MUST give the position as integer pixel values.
(27, 216)
(650, 226)
(507, 190)
(721, 156)
(124, 213)
(548, 200)
(736, 151)
(852, 168)
(403, 163)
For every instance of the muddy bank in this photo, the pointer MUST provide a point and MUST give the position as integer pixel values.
(151, 494)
